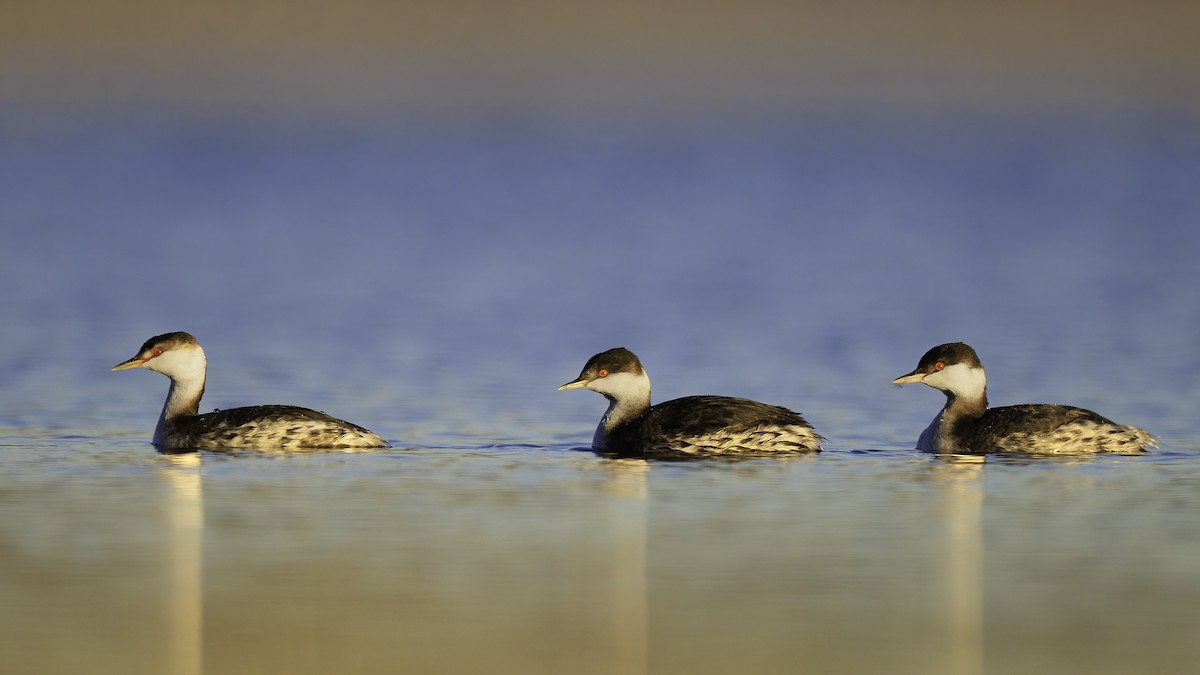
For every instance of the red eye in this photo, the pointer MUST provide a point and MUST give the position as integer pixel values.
(157, 351)
(603, 373)
(939, 365)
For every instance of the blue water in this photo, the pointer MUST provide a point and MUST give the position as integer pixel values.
(436, 282)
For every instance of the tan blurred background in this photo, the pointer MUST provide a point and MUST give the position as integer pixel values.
(863, 180)
(596, 59)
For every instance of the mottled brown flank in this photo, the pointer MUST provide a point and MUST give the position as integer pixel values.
(267, 426)
(714, 425)
(1046, 428)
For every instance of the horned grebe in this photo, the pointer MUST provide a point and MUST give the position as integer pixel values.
(967, 426)
(179, 357)
(692, 426)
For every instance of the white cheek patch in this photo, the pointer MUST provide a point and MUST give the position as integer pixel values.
(959, 379)
(167, 363)
(182, 364)
(622, 385)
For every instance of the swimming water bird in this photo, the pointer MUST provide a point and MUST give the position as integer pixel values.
(692, 426)
(265, 427)
(966, 425)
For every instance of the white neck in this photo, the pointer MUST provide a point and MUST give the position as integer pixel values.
(628, 397)
(187, 368)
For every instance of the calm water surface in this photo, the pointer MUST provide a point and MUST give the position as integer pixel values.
(438, 284)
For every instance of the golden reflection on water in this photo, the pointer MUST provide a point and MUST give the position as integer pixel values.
(964, 561)
(627, 478)
(185, 555)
